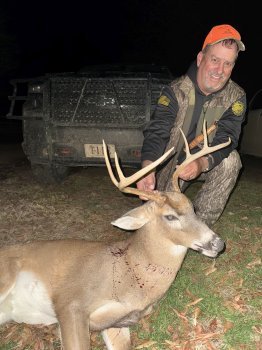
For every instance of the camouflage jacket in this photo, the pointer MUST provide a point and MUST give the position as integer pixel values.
(183, 105)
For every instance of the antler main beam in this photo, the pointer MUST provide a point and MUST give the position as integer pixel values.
(124, 182)
(190, 157)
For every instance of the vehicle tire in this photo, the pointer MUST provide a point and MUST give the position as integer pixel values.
(50, 173)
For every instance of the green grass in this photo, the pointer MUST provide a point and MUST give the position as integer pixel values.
(10, 346)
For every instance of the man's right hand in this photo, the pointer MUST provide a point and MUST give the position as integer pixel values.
(148, 182)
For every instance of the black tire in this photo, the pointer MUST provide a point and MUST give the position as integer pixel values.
(50, 173)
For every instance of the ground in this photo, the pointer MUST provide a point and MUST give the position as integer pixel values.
(82, 207)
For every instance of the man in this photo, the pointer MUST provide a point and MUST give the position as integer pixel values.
(205, 92)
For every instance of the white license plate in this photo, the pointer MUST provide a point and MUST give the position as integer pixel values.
(95, 150)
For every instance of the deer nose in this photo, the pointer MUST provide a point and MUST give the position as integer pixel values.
(218, 244)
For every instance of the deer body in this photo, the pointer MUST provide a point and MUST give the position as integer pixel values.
(109, 285)
(106, 287)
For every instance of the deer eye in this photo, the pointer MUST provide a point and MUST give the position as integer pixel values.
(171, 217)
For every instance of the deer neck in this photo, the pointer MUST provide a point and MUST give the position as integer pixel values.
(143, 262)
(152, 248)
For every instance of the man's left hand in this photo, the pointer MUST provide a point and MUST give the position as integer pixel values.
(194, 169)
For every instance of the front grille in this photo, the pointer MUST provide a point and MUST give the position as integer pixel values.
(100, 101)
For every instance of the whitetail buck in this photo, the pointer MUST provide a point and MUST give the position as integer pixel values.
(95, 286)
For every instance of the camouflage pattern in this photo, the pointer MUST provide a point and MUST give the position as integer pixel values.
(219, 182)
(184, 91)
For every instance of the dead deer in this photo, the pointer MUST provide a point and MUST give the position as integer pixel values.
(97, 286)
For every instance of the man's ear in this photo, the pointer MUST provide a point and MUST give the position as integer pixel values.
(199, 58)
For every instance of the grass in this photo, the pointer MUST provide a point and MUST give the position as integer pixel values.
(213, 304)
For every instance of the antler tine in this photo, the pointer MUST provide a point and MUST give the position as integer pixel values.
(124, 182)
(205, 134)
(109, 168)
(119, 172)
(190, 157)
(108, 165)
(186, 144)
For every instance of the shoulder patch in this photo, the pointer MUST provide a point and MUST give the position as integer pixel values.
(238, 108)
(163, 100)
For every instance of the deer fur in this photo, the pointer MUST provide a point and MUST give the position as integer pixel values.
(96, 286)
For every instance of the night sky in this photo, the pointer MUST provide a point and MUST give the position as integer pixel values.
(55, 36)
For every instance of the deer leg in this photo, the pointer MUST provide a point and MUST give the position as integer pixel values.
(74, 328)
(117, 338)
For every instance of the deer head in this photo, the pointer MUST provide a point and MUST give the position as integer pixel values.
(174, 208)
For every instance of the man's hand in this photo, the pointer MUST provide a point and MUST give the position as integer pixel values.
(148, 182)
(194, 169)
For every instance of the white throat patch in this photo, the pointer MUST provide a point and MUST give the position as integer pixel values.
(177, 250)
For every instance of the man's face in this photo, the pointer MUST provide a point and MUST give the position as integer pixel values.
(215, 67)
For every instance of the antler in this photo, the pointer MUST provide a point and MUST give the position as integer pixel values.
(190, 157)
(124, 182)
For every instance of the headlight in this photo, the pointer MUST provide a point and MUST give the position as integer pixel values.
(35, 88)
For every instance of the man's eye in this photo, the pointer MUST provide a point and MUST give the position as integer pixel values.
(229, 64)
(171, 217)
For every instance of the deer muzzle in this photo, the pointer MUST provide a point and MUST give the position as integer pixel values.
(211, 248)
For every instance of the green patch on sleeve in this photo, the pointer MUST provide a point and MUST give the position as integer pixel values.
(163, 100)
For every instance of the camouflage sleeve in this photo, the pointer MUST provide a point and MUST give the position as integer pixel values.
(157, 132)
(229, 126)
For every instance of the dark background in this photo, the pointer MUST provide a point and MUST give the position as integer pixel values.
(55, 36)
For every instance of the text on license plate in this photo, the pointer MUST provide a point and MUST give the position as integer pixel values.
(95, 150)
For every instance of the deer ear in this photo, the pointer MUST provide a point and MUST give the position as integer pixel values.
(130, 222)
